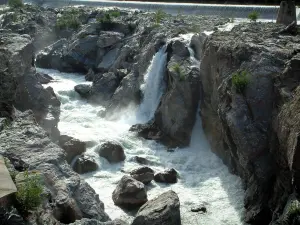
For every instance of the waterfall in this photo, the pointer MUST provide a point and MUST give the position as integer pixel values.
(153, 86)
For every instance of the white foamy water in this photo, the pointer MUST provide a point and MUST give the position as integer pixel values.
(203, 176)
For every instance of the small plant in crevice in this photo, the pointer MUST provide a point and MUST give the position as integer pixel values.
(292, 215)
(240, 80)
(159, 15)
(15, 3)
(178, 70)
(69, 20)
(107, 17)
(253, 16)
(29, 192)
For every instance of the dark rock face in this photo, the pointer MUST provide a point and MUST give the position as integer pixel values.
(167, 176)
(113, 152)
(85, 164)
(143, 174)
(248, 130)
(90, 75)
(129, 193)
(30, 94)
(141, 160)
(71, 198)
(287, 13)
(200, 208)
(179, 48)
(84, 90)
(73, 147)
(164, 209)
(43, 78)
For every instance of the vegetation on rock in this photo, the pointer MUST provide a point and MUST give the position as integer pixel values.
(108, 16)
(178, 70)
(240, 80)
(29, 192)
(15, 3)
(253, 16)
(69, 20)
(159, 15)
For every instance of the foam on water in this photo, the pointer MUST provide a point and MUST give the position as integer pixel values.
(203, 176)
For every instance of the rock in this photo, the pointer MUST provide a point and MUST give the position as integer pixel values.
(4, 122)
(108, 38)
(96, 222)
(104, 87)
(167, 176)
(200, 208)
(51, 57)
(84, 90)
(70, 197)
(113, 152)
(85, 164)
(141, 160)
(129, 193)
(90, 75)
(10, 217)
(179, 48)
(287, 13)
(148, 131)
(290, 29)
(108, 60)
(30, 94)
(164, 209)
(43, 78)
(73, 147)
(143, 174)
(197, 43)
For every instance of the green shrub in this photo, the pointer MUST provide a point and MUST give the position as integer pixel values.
(29, 192)
(108, 16)
(159, 15)
(253, 16)
(292, 214)
(69, 19)
(178, 70)
(15, 3)
(240, 80)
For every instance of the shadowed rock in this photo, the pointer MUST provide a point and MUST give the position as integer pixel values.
(112, 151)
(143, 174)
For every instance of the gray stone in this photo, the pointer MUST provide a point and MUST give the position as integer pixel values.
(85, 164)
(287, 13)
(129, 193)
(179, 48)
(43, 78)
(72, 146)
(163, 210)
(84, 90)
(108, 38)
(167, 176)
(143, 174)
(108, 59)
(112, 151)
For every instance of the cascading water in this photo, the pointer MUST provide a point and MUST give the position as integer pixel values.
(203, 177)
(153, 87)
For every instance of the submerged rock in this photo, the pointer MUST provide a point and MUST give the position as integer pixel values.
(84, 90)
(72, 146)
(167, 176)
(163, 210)
(85, 164)
(200, 208)
(141, 160)
(112, 151)
(143, 174)
(129, 193)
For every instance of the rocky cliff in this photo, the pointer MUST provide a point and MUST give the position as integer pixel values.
(252, 131)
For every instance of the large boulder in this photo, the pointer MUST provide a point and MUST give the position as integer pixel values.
(143, 174)
(45, 105)
(108, 38)
(69, 197)
(129, 193)
(179, 48)
(85, 164)
(167, 176)
(163, 210)
(287, 13)
(112, 151)
(84, 90)
(72, 146)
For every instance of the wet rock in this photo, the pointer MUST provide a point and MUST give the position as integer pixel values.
(108, 60)
(108, 38)
(30, 94)
(167, 176)
(164, 209)
(84, 90)
(72, 146)
(10, 217)
(290, 29)
(90, 75)
(287, 13)
(104, 87)
(200, 208)
(129, 193)
(197, 43)
(43, 78)
(179, 48)
(143, 174)
(112, 151)
(141, 160)
(96, 222)
(85, 164)
(148, 131)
